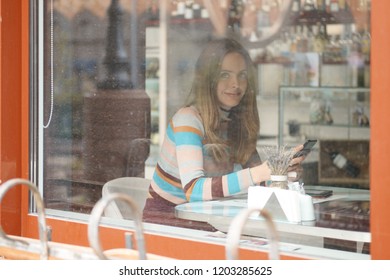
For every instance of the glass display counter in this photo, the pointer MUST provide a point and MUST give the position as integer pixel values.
(333, 113)
(338, 117)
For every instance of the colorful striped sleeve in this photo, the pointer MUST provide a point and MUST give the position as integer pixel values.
(188, 138)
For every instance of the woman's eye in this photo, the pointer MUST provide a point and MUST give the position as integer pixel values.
(224, 75)
(243, 76)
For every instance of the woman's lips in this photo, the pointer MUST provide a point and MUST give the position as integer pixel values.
(233, 94)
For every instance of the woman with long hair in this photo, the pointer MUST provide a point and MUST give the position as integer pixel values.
(209, 149)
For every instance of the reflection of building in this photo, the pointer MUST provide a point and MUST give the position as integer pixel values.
(79, 40)
(94, 134)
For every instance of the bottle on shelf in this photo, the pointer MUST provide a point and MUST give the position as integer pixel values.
(302, 40)
(197, 10)
(341, 162)
(342, 5)
(285, 45)
(180, 10)
(296, 6)
(327, 5)
(321, 5)
(310, 38)
(366, 45)
(309, 5)
(153, 10)
(293, 40)
(359, 118)
(333, 50)
(334, 6)
(327, 115)
(320, 39)
(346, 45)
(235, 12)
(188, 11)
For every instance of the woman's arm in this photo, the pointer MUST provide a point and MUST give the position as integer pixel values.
(188, 137)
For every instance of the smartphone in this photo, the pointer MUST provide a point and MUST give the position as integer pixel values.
(307, 146)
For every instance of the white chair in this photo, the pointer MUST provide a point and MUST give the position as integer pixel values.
(135, 187)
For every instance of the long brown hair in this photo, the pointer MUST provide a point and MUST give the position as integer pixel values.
(203, 96)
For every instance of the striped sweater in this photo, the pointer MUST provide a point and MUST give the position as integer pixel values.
(186, 172)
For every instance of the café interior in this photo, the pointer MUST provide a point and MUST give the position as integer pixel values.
(87, 89)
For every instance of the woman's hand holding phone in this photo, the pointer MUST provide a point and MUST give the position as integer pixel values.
(307, 146)
(295, 170)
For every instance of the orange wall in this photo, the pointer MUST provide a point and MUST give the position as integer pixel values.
(10, 111)
(76, 233)
(14, 98)
(380, 124)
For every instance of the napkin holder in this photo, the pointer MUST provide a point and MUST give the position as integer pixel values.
(284, 205)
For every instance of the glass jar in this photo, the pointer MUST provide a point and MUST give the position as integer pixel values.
(279, 181)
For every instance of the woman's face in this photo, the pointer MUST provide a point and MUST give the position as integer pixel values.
(233, 81)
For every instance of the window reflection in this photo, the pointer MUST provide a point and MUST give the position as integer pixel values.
(97, 134)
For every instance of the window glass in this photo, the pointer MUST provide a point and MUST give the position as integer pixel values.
(115, 73)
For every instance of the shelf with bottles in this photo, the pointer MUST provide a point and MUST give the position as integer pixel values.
(330, 28)
(180, 12)
(315, 16)
(311, 12)
(323, 113)
(349, 47)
